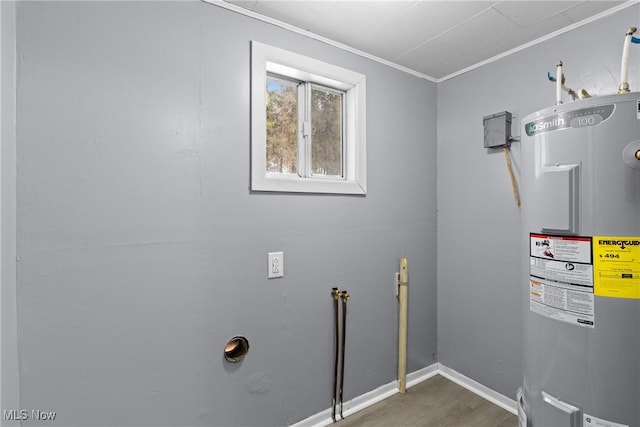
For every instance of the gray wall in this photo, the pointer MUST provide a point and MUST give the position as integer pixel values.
(141, 250)
(479, 286)
(8, 320)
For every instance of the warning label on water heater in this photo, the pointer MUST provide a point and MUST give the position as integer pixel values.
(561, 278)
(617, 266)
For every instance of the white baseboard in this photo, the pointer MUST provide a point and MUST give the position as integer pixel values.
(483, 391)
(352, 406)
(420, 375)
(323, 418)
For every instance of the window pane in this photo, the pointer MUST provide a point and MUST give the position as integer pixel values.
(282, 124)
(326, 132)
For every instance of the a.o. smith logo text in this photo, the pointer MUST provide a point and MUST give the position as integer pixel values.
(536, 127)
(584, 117)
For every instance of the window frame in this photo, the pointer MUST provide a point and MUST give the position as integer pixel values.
(269, 59)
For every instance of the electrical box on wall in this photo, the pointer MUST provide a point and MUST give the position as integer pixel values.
(497, 129)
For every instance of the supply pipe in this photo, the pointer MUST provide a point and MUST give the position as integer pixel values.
(402, 325)
(583, 93)
(345, 297)
(335, 294)
(559, 78)
(624, 67)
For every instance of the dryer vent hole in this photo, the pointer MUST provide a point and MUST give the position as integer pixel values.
(236, 349)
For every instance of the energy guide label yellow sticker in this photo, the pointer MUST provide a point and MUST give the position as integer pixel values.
(616, 263)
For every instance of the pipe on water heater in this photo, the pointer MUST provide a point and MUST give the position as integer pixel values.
(561, 87)
(402, 325)
(559, 78)
(624, 67)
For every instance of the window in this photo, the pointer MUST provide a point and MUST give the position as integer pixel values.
(308, 124)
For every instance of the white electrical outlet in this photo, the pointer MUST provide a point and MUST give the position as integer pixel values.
(275, 267)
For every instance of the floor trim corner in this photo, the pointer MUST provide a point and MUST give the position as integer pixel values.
(323, 418)
(481, 390)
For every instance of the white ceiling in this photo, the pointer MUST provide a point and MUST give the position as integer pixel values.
(436, 39)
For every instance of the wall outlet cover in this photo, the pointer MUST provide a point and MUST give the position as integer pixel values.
(275, 265)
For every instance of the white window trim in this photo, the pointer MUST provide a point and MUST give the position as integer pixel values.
(265, 58)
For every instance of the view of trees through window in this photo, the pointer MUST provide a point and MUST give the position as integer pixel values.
(326, 132)
(282, 125)
(326, 111)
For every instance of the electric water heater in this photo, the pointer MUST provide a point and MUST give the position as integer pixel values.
(580, 188)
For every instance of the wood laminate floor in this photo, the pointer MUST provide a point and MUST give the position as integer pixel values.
(436, 402)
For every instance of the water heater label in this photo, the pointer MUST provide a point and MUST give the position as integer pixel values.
(585, 117)
(561, 278)
(617, 266)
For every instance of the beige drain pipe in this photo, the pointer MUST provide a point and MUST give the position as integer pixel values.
(402, 325)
